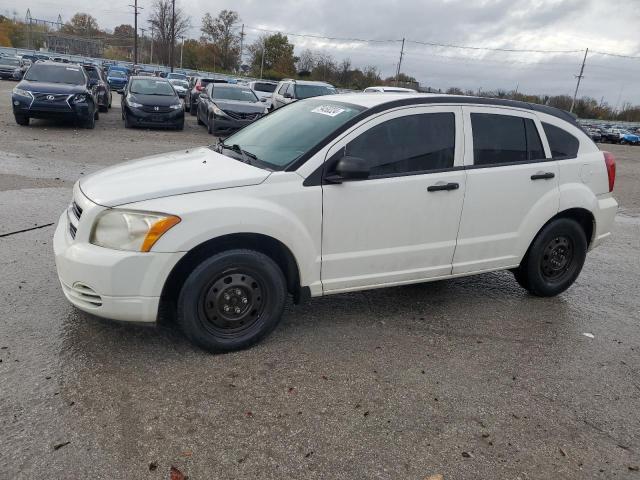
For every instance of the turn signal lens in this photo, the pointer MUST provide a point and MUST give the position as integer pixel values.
(157, 230)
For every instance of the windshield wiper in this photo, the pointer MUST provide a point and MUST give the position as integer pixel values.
(246, 156)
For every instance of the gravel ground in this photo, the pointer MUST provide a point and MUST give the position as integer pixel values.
(469, 378)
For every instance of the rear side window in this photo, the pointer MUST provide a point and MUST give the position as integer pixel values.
(283, 88)
(410, 144)
(502, 139)
(563, 145)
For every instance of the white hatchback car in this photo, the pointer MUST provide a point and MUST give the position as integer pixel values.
(336, 194)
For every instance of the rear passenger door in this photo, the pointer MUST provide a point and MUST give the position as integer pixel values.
(512, 188)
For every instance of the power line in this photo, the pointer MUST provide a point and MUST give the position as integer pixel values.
(493, 49)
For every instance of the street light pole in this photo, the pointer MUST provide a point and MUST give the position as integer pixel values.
(262, 61)
(173, 32)
(181, 49)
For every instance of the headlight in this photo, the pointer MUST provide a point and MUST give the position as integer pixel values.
(22, 93)
(133, 231)
(79, 98)
(219, 112)
(133, 104)
(177, 106)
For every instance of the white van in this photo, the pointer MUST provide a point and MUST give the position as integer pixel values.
(336, 194)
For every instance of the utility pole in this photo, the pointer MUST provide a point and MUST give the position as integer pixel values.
(579, 77)
(181, 49)
(142, 44)
(173, 32)
(135, 28)
(241, 45)
(400, 62)
(151, 55)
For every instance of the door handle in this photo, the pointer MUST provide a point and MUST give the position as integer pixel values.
(543, 176)
(443, 186)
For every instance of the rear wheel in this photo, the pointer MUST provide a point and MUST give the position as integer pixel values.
(232, 300)
(210, 125)
(103, 108)
(193, 109)
(187, 105)
(22, 120)
(554, 260)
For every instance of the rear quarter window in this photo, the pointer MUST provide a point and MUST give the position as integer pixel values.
(563, 144)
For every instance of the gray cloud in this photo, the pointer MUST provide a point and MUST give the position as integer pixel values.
(523, 24)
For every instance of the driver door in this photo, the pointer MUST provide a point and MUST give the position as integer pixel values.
(400, 224)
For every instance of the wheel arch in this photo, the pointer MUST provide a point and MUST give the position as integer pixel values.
(265, 244)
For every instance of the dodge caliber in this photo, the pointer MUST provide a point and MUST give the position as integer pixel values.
(336, 194)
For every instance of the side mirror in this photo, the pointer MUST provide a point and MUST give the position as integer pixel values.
(263, 100)
(350, 168)
(287, 95)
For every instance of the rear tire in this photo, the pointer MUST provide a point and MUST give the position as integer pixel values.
(232, 300)
(22, 120)
(554, 260)
(193, 109)
(210, 125)
(103, 108)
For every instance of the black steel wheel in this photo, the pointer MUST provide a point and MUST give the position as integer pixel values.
(232, 300)
(554, 259)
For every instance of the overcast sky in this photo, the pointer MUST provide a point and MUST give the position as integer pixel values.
(602, 25)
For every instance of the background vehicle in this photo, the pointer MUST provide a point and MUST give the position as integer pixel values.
(102, 88)
(191, 98)
(176, 76)
(263, 89)
(594, 134)
(280, 208)
(622, 136)
(117, 79)
(180, 86)
(11, 67)
(151, 102)
(389, 90)
(55, 90)
(289, 91)
(224, 108)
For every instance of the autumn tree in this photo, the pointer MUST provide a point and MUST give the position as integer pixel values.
(278, 56)
(82, 25)
(221, 32)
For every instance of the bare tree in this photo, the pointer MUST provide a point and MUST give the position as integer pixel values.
(160, 21)
(220, 31)
(307, 61)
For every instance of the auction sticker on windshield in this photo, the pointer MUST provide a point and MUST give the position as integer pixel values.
(330, 110)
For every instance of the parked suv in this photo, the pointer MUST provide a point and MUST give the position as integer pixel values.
(102, 88)
(289, 91)
(55, 90)
(12, 67)
(336, 194)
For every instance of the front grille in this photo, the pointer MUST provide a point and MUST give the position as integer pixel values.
(151, 109)
(50, 101)
(241, 116)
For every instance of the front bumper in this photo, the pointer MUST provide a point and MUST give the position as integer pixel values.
(160, 119)
(113, 284)
(37, 109)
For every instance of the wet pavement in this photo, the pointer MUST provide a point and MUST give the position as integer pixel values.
(469, 378)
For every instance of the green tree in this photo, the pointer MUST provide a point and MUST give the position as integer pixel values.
(82, 25)
(220, 31)
(278, 55)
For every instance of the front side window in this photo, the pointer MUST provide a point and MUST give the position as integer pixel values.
(409, 144)
(283, 88)
(563, 145)
(502, 139)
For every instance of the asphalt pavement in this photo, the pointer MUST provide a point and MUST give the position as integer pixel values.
(469, 378)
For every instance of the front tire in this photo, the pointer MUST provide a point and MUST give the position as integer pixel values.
(127, 122)
(210, 125)
(554, 260)
(232, 300)
(90, 123)
(22, 120)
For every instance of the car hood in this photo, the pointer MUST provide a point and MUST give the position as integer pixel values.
(156, 100)
(46, 87)
(240, 107)
(164, 175)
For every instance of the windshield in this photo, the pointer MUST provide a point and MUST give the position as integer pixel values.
(239, 94)
(10, 61)
(179, 83)
(265, 87)
(308, 91)
(117, 74)
(151, 86)
(284, 135)
(39, 72)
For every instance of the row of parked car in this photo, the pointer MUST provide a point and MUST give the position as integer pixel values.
(610, 134)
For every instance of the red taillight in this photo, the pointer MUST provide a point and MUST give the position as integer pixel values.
(610, 162)
(199, 88)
